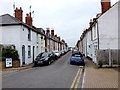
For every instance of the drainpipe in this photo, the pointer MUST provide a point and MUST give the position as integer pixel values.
(86, 45)
(98, 37)
(98, 34)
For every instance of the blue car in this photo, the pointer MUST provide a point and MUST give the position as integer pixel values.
(77, 58)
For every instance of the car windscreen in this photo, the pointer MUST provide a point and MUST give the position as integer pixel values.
(77, 55)
(56, 52)
(43, 55)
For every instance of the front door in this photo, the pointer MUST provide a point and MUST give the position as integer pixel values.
(33, 53)
(23, 54)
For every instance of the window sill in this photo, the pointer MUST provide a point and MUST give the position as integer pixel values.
(29, 56)
(29, 40)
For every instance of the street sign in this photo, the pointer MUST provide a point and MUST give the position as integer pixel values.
(8, 62)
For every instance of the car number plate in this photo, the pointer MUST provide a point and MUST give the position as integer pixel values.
(39, 61)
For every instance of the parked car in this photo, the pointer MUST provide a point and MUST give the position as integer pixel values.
(63, 52)
(54, 55)
(44, 58)
(74, 50)
(66, 51)
(57, 53)
(77, 58)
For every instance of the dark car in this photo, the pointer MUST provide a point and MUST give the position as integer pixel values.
(77, 58)
(44, 58)
(54, 55)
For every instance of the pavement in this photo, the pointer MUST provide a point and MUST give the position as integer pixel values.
(18, 68)
(99, 77)
(11, 71)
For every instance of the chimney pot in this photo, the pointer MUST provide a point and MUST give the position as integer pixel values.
(16, 8)
(27, 14)
(90, 22)
(30, 14)
(105, 5)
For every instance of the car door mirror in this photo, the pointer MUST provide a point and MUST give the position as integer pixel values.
(50, 55)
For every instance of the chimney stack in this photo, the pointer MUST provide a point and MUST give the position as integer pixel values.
(19, 13)
(44, 31)
(105, 5)
(59, 38)
(56, 35)
(52, 32)
(28, 19)
(48, 31)
(62, 41)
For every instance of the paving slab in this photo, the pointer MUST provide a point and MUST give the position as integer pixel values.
(99, 77)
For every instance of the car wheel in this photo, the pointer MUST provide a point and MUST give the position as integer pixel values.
(83, 64)
(35, 65)
(70, 62)
(49, 62)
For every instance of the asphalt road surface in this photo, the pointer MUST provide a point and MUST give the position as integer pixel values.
(60, 74)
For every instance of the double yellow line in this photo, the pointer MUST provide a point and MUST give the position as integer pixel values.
(76, 80)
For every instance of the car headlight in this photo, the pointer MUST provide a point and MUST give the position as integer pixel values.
(35, 60)
(71, 59)
(46, 59)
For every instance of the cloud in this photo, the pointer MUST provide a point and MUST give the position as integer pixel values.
(68, 17)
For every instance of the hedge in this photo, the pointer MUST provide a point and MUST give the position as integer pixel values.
(9, 53)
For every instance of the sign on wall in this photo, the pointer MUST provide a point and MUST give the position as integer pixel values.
(8, 62)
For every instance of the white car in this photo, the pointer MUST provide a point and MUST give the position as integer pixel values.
(57, 53)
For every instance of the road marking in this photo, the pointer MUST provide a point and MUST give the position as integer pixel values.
(83, 80)
(73, 83)
(76, 79)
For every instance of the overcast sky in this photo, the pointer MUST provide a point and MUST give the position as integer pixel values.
(68, 17)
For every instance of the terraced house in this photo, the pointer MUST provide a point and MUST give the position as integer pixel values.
(102, 35)
(26, 38)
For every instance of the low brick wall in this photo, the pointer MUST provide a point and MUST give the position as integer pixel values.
(15, 64)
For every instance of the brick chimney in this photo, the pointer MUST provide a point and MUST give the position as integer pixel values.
(28, 19)
(44, 31)
(63, 41)
(48, 31)
(58, 38)
(56, 35)
(105, 5)
(19, 13)
(52, 32)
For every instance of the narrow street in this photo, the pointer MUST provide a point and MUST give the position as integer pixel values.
(41, 43)
(60, 74)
